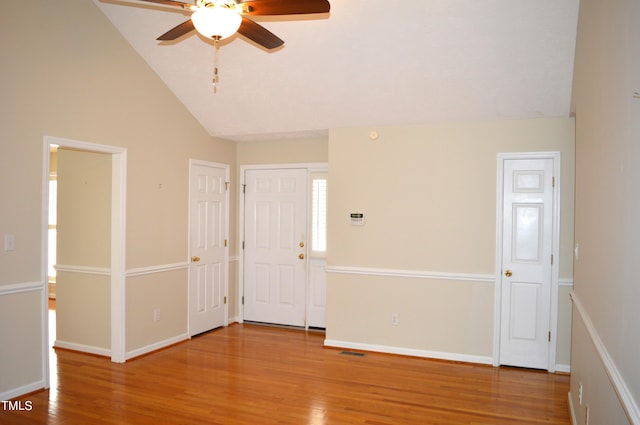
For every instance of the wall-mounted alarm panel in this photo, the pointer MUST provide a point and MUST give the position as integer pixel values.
(357, 219)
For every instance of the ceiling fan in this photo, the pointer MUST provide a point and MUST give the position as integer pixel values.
(219, 19)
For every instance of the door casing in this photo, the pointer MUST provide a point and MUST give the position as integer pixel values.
(555, 248)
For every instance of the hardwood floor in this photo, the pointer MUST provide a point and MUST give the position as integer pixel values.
(249, 374)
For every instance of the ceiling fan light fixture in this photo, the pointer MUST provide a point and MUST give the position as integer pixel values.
(217, 22)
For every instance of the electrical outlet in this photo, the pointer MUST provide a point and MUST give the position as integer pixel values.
(586, 416)
(395, 320)
(156, 315)
(9, 242)
(580, 393)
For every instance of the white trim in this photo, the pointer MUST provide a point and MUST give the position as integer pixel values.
(555, 250)
(16, 288)
(25, 389)
(102, 271)
(563, 368)
(99, 351)
(565, 282)
(118, 258)
(44, 262)
(156, 269)
(617, 381)
(156, 346)
(419, 274)
(310, 167)
(409, 352)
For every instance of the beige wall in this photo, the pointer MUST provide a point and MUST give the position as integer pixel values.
(21, 348)
(283, 151)
(429, 198)
(606, 333)
(142, 330)
(77, 78)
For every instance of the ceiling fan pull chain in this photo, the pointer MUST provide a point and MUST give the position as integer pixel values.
(216, 78)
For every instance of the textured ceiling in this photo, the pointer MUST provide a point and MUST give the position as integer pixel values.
(367, 63)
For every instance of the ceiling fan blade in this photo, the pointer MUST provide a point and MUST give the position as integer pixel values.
(285, 7)
(171, 3)
(177, 31)
(259, 34)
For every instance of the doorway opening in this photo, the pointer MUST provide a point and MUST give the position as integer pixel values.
(117, 244)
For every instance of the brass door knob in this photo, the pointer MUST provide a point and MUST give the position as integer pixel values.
(195, 258)
(508, 273)
(301, 256)
(301, 244)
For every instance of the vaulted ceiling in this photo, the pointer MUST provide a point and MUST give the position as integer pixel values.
(367, 63)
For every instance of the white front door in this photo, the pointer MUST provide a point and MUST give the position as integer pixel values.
(275, 246)
(208, 211)
(527, 249)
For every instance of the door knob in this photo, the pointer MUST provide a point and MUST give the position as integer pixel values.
(301, 256)
(301, 244)
(195, 258)
(508, 273)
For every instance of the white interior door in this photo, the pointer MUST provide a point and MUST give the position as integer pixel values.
(208, 212)
(527, 262)
(275, 246)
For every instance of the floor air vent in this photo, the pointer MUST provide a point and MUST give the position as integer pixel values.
(352, 353)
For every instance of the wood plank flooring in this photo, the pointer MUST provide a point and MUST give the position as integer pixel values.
(249, 374)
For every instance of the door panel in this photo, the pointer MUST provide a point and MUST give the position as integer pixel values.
(275, 236)
(527, 267)
(527, 235)
(207, 227)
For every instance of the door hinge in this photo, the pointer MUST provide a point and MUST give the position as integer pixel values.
(551, 258)
(242, 244)
(549, 336)
(243, 299)
(244, 188)
(225, 299)
(225, 243)
(226, 185)
(553, 182)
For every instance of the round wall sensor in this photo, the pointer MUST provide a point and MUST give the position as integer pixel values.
(373, 135)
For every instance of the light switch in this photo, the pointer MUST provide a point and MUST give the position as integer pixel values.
(9, 242)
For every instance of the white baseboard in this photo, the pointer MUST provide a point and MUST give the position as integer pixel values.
(156, 346)
(410, 352)
(25, 389)
(82, 348)
(563, 368)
